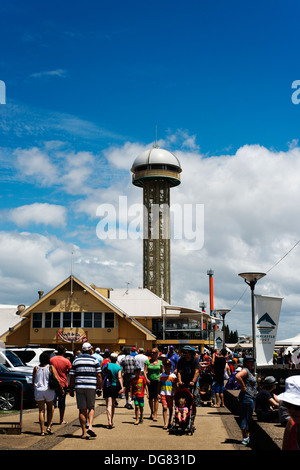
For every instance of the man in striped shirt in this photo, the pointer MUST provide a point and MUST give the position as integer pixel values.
(85, 378)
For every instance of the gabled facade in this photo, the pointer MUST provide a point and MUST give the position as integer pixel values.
(74, 312)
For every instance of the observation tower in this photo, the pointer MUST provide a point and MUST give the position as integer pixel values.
(156, 171)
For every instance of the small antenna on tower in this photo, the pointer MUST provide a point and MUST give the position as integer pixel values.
(156, 146)
(72, 273)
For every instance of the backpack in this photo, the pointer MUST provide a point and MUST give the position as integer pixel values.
(106, 376)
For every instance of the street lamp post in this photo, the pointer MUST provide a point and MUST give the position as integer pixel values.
(202, 305)
(251, 279)
(223, 313)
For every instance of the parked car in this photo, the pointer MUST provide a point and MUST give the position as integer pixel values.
(10, 390)
(10, 360)
(30, 355)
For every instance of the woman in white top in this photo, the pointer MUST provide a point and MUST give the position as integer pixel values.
(43, 394)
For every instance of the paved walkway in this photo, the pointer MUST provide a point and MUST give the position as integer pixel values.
(216, 429)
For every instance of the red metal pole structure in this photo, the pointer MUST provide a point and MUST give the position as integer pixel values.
(211, 290)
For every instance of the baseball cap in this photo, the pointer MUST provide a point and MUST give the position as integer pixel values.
(292, 391)
(249, 359)
(188, 349)
(86, 347)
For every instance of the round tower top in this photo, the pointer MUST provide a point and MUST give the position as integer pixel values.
(156, 164)
(158, 156)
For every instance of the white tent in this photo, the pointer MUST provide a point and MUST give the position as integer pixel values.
(295, 341)
(291, 345)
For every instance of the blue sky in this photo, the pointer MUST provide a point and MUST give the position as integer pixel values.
(86, 83)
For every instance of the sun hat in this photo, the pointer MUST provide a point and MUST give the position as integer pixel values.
(292, 391)
(270, 380)
(86, 347)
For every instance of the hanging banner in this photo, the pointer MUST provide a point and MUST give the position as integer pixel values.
(69, 336)
(267, 311)
(219, 341)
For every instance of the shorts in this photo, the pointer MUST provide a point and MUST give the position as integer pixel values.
(153, 389)
(85, 398)
(139, 401)
(217, 387)
(60, 399)
(167, 401)
(126, 380)
(44, 395)
(111, 392)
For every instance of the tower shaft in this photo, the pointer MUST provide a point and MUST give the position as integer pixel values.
(156, 244)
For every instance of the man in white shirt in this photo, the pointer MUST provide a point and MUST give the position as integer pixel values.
(140, 359)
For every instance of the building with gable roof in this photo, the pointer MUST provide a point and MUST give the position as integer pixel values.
(74, 312)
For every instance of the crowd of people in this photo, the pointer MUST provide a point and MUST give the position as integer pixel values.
(155, 375)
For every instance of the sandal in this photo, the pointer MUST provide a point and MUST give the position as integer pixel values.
(49, 430)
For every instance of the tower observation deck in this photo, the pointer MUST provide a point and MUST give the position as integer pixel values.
(156, 171)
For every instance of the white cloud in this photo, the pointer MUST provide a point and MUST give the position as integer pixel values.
(28, 264)
(35, 165)
(39, 213)
(251, 220)
(50, 73)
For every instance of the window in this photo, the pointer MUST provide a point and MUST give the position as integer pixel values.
(88, 320)
(76, 319)
(73, 320)
(109, 321)
(37, 320)
(97, 320)
(92, 320)
(56, 320)
(52, 320)
(48, 320)
(67, 317)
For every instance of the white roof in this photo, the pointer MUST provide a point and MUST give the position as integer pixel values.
(156, 155)
(8, 317)
(142, 302)
(137, 302)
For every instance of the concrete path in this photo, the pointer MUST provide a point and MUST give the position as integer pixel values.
(216, 429)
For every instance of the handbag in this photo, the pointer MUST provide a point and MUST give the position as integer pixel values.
(53, 382)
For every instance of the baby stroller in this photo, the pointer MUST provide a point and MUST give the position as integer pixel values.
(205, 384)
(187, 425)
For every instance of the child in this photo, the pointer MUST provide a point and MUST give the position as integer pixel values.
(167, 382)
(138, 386)
(181, 410)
